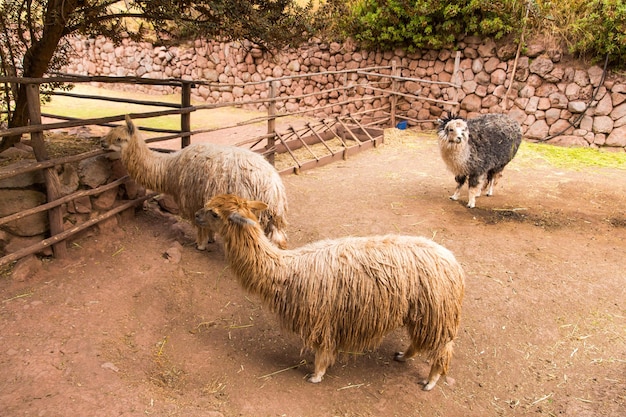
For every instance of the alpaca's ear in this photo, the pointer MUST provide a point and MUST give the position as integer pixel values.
(257, 206)
(240, 220)
(130, 125)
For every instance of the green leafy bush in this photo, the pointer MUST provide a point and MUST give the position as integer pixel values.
(429, 23)
(589, 28)
(601, 30)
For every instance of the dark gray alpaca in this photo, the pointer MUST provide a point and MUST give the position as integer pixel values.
(478, 149)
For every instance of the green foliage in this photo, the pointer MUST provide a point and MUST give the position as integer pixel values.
(586, 27)
(429, 23)
(601, 29)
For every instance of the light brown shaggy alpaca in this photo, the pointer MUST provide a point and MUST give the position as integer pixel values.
(346, 294)
(198, 172)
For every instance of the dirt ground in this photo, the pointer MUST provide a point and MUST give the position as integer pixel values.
(139, 322)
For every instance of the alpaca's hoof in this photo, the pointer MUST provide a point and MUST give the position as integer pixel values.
(428, 386)
(399, 356)
(205, 246)
(471, 204)
(430, 382)
(315, 379)
(454, 197)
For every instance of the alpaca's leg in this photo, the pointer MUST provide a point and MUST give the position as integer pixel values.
(489, 187)
(492, 183)
(460, 180)
(414, 347)
(436, 370)
(474, 183)
(482, 184)
(433, 378)
(488, 183)
(473, 193)
(408, 354)
(441, 358)
(323, 359)
(413, 330)
(204, 235)
(441, 361)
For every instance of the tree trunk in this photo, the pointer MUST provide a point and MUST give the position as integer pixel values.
(37, 58)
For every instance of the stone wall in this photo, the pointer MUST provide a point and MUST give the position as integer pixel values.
(548, 94)
(26, 191)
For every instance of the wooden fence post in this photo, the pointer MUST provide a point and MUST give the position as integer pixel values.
(53, 184)
(185, 118)
(271, 121)
(455, 80)
(344, 95)
(394, 98)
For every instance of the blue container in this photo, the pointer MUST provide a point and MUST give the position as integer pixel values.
(402, 125)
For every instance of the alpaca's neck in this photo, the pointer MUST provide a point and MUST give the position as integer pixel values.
(456, 156)
(145, 166)
(254, 260)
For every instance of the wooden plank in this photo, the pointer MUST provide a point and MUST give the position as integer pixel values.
(185, 118)
(54, 240)
(95, 121)
(295, 144)
(364, 130)
(53, 184)
(319, 138)
(400, 78)
(278, 135)
(347, 129)
(394, 89)
(62, 200)
(142, 128)
(117, 99)
(271, 122)
(361, 134)
(11, 170)
(327, 159)
(308, 148)
(72, 78)
(329, 128)
(413, 96)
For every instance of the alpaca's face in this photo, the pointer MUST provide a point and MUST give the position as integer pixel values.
(116, 140)
(208, 217)
(119, 137)
(454, 132)
(225, 208)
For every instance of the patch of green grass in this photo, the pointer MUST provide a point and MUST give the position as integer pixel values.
(91, 108)
(572, 158)
(530, 153)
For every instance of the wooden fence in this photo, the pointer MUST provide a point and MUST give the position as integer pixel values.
(267, 143)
